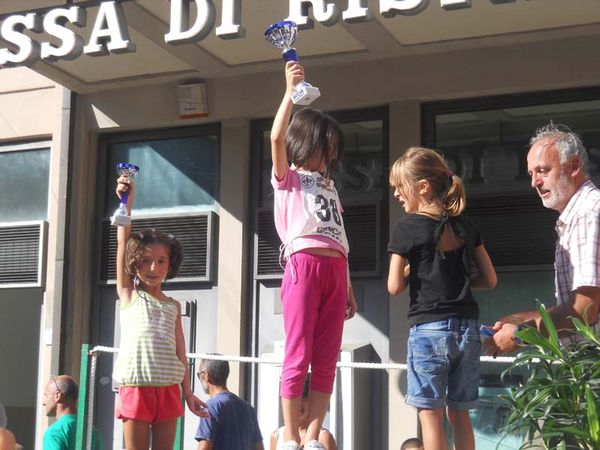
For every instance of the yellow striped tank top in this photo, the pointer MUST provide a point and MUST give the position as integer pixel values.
(147, 353)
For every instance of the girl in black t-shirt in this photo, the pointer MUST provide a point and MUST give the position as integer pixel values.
(433, 249)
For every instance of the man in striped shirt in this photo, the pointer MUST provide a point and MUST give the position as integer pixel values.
(558, 165)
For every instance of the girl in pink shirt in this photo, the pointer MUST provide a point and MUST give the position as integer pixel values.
(315, 290)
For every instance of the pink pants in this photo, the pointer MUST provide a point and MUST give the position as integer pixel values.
(314, 293)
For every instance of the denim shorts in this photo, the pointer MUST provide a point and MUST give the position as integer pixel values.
(443, 364)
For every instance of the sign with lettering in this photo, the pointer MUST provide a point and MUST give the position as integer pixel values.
(110, 32)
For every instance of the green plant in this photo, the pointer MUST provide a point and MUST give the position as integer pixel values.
(558, 404)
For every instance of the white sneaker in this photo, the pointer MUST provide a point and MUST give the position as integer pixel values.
(314, 445)
(289, 445)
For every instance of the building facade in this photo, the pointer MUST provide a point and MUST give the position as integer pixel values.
(189, 98)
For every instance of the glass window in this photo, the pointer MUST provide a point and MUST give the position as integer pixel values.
(178, 174)
(488, 148)
(359, 175)
(486, 142)
(24, 180)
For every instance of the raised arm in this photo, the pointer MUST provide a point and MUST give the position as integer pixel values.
(294, 73)
(124, 282)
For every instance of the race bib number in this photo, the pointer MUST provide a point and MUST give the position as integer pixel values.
(322, 203)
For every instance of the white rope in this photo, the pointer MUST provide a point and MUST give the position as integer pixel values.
(91, 398)
(277, 362)
(102, 349)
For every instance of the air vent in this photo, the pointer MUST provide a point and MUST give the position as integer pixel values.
(362, 223)
(196, 233)
(267, 247)
(516, 230)
(22, 250)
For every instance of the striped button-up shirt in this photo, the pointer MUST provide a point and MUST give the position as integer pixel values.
(577, 257)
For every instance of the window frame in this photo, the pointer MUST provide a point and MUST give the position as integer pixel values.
(108, 139)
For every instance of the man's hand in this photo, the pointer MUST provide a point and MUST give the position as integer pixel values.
(503, 340)
(197, 406)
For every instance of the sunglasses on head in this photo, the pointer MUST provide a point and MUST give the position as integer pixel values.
(53, 379)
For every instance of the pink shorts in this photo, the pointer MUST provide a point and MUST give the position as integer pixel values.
(149, 404)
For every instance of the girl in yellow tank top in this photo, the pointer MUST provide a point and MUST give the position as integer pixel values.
(152, 364)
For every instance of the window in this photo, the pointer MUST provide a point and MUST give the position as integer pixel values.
(177, 193)
(486, 142)
(24, 179)
(178, 170)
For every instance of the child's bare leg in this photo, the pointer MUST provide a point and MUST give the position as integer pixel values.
(318, 403)
(136, 434)
(163, 435)
(463, 429)
(432, 426)
(291, 418)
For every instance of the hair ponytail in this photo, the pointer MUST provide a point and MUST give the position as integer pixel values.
(455, 201)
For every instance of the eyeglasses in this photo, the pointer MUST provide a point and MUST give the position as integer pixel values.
(53, 379)
(201, 372)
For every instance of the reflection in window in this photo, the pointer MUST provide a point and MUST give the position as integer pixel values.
(24, 178)
(487, 147)
(176, 175)
(360, 173)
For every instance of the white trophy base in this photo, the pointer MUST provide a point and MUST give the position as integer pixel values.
(305, 94)
(120, 217)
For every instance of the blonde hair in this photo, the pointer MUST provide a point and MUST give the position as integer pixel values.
(420, 163)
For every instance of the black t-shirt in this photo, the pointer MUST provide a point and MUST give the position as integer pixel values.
(439, 281)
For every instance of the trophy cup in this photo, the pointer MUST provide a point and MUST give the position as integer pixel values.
(283, 35)
(121, 215)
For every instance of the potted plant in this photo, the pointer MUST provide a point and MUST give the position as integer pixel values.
(557, 405)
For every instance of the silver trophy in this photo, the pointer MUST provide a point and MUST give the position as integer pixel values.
(283, 35)
(121, 215)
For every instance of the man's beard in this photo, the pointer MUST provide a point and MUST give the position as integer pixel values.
(559, 195)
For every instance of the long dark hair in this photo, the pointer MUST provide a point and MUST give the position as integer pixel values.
(312, 132)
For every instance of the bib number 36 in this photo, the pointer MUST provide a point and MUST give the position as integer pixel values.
(326, 209)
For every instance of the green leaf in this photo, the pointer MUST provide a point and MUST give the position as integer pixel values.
(549, 325)
(560, 398)
(585, 330)
(592, 415)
